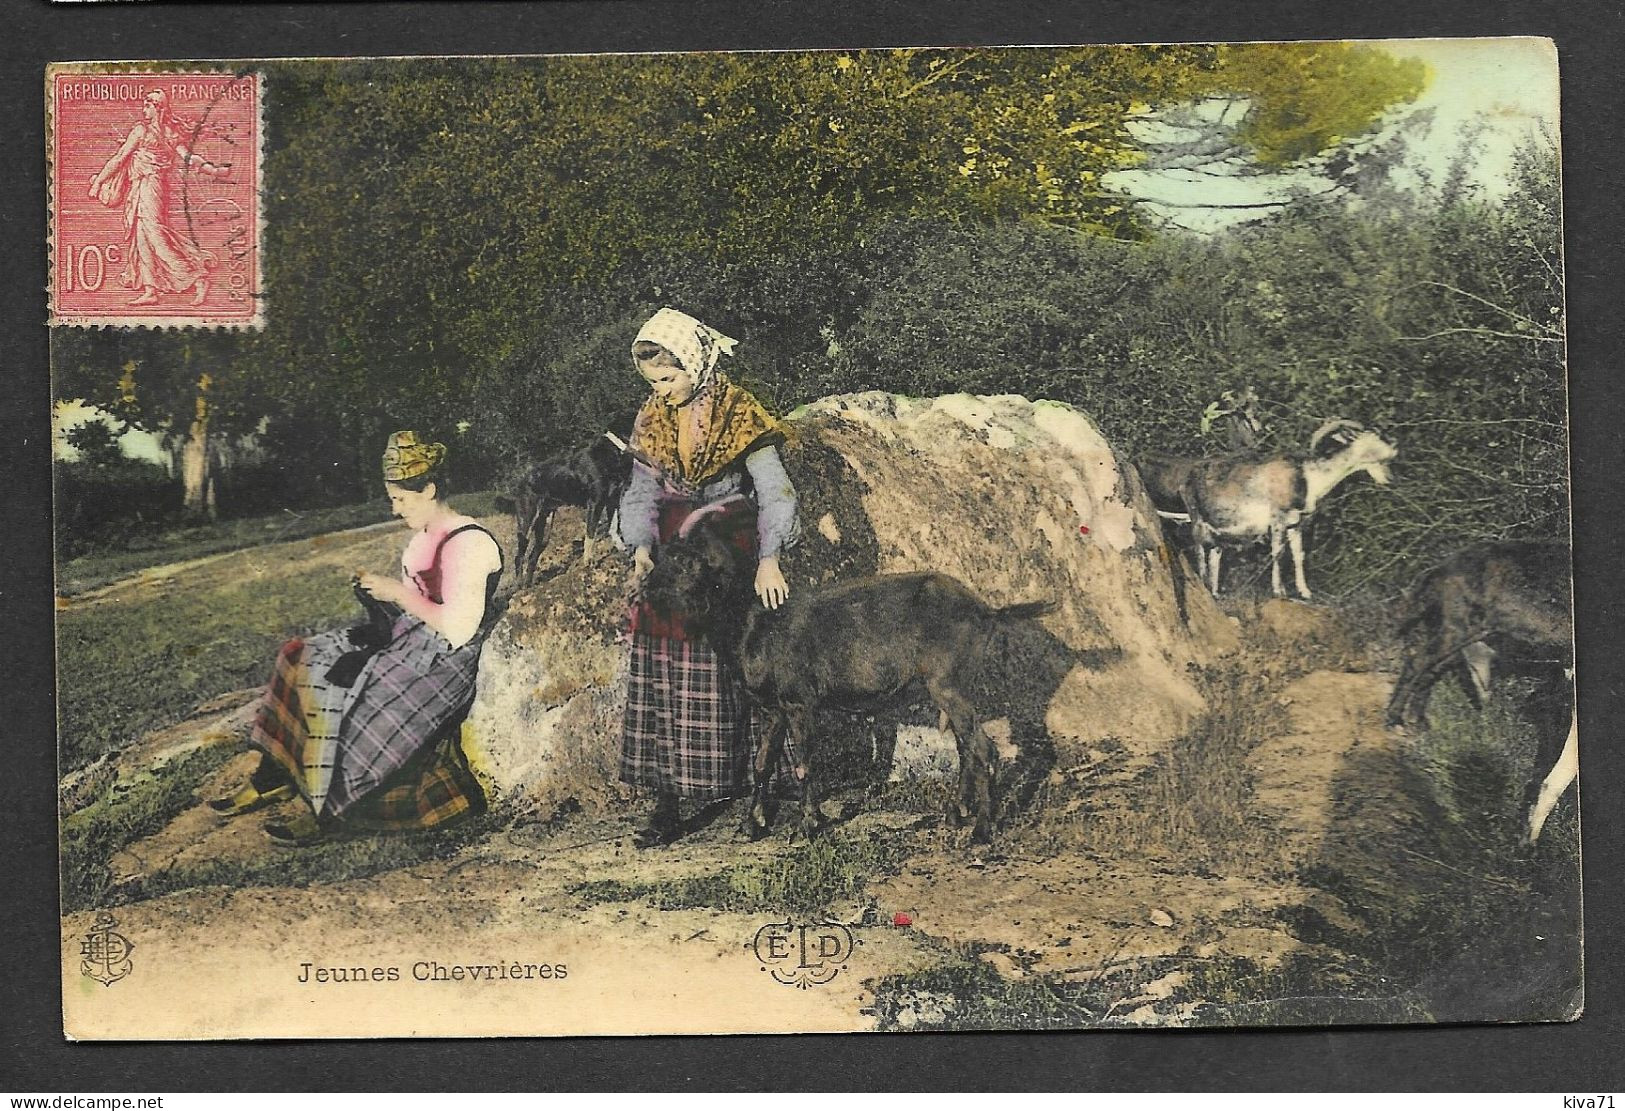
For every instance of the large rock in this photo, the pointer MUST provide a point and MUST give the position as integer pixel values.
(1021, 500)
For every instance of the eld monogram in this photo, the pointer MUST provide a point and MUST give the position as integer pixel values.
(803, 954)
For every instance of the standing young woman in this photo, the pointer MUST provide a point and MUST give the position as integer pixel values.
(705, 443)
(368, 735)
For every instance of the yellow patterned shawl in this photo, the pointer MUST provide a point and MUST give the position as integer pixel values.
(725, 423)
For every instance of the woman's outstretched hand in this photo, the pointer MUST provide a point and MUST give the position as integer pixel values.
(770, 585)
(642, 564)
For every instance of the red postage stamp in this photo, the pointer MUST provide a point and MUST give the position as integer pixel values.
(155, 198)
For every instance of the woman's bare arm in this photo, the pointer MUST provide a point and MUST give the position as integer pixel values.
(465, 562)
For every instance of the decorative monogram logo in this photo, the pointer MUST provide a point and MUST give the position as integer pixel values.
(803, 954)
(105, 953)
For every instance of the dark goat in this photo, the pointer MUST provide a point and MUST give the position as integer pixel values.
(591, 477)
(850, 646)
(1511, 596)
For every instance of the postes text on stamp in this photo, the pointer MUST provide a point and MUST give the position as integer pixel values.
(155, 198)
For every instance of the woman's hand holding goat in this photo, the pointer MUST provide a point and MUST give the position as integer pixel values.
(642, 564)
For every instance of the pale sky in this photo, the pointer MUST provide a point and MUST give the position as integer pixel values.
(134, 443)
(1508, 84)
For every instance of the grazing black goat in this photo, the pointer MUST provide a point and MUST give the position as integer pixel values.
(591, 477)
(850, 646)
(1511, 597)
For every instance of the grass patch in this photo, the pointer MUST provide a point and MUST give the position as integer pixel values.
(1196, 804)
(142, 661)
(124, 813)
(801, 879)
(326, 862)
(130, 667)
(968, 994)
(1301, 990)
(1456, 902)
(87, 572)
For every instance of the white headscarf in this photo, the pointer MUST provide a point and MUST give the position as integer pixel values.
(697, 345)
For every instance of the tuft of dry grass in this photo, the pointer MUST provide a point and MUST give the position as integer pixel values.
(1195, 805)
(804, 878)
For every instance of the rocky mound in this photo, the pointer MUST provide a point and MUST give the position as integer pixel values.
(1021, 500)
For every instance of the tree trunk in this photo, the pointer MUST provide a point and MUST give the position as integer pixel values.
(197, 462)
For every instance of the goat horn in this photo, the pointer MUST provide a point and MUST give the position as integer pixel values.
(1334, 425)
(693, 520)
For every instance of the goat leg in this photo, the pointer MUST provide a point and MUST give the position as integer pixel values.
(544, 521)
(755, 822)
(1564, 772)
(521, 532)
(882, 753)
(1477, 657)
(799, 718)
(1399, 703)
(1277, 539)
(530, 551)
(1441, 654)
(975, 802)
(1294, 540)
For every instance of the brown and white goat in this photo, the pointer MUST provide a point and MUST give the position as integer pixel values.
(1506, 597)
(1231, 501)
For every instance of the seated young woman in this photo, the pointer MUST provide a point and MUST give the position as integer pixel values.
(367, 734)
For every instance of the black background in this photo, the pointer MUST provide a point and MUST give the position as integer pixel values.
(1577, 1057)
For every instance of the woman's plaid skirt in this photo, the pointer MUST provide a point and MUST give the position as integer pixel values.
(384, 751)
(690, 729)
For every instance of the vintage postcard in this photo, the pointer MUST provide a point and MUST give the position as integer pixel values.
(892, 540)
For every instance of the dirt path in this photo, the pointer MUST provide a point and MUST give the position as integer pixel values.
(251, 559)
(217, 959)
(1060, 900)
(1071, 915)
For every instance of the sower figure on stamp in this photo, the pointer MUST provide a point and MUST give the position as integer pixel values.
(703, 445)
(157, 257)
(367, 729)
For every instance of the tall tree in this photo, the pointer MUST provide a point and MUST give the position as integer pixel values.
(436, 223)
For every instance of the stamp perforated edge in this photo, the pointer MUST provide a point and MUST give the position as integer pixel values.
(204, 321)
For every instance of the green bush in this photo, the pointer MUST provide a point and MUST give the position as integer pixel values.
(102, 503)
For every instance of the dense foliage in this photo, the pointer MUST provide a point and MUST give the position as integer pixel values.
(468, 245)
